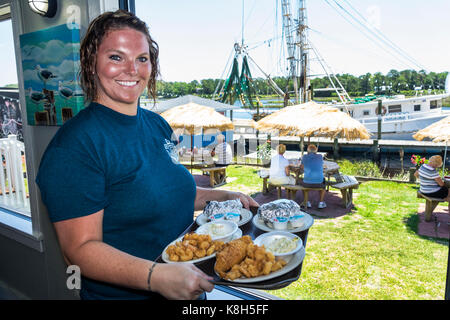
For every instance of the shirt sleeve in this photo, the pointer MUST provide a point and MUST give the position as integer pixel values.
(71, 185)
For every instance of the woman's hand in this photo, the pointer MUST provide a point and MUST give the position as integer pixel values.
(207, 194)
(180, 281)
(246, 200)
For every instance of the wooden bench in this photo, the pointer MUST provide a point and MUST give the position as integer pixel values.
(346, 184)
(430, 204)
(291, 190)
(268, 186)
(217, 175)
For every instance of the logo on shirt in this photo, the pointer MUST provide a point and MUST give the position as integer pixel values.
(171, 150)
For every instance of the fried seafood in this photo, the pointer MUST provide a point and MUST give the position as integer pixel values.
(193, 246)
(242, 258)
(232, 253)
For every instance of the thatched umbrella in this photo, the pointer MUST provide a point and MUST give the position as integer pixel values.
(313, 119)
(191, 117)
(437, 132)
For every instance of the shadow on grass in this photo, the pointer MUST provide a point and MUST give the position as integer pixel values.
(412, 223)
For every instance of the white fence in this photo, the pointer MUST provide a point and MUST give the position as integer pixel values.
(14, 190)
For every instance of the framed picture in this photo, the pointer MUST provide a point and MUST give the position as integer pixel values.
(51, 62)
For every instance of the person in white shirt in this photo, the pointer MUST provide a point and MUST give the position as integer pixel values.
(279, 168)
(223, 152)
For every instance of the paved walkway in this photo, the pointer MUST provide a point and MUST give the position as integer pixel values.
(438, 227)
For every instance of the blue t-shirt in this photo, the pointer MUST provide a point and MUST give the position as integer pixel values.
(126, 165)
(313, 168)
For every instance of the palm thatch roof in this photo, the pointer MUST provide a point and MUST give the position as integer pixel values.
(438, 131)
(192, 116)
(313, 119)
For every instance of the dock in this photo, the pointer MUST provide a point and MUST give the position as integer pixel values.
(393, 153)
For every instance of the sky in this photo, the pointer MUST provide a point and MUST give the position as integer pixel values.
(196, 37)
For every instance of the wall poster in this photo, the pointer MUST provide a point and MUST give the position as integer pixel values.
(51, 61)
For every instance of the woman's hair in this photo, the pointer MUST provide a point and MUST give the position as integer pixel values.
(281, 148)
(220, 138)
(435, 161)
(96, 32)
(312, 148)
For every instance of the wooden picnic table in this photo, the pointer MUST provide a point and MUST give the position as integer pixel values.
(329, 168)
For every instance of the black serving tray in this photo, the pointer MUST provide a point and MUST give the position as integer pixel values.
(250, 229)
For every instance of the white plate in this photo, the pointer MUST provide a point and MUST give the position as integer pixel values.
(165, 256)
(291, 265)
(246, 216)
(259, 223)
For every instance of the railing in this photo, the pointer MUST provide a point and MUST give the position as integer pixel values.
(13, 183)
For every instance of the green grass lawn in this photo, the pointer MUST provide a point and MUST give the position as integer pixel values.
(373, 253)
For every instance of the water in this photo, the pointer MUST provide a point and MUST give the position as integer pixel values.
(247, 113)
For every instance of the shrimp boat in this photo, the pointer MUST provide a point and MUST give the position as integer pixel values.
(400, 116)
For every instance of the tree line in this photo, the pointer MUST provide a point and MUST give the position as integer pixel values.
(393, 82)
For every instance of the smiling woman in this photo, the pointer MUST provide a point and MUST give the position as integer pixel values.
(118, 50)
(107, 177)
(123, 70)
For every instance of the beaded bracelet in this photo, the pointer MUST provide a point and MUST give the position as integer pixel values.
(150, 275)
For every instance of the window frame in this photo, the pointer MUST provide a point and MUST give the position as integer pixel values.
(14, 225)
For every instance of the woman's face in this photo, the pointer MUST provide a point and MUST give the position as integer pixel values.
(123, 69)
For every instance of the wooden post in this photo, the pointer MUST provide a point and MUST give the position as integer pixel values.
(380, 108)
(402, 154)
(336, 148)
(412, 177)
(376, 151)
(301, 146)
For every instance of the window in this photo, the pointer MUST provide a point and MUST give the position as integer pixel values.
(14, 195)
(366, 112)
(395, 108)
(417, 107)
(433, 104)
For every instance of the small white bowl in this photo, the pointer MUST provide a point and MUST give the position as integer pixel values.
(270, 238)
(280, 223)
(233, 216)
(222, 230)
(216, 217)
(297, 221)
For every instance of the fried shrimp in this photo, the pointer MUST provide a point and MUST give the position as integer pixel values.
(193, 246)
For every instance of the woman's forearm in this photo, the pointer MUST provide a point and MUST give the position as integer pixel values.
(99, 261)
(204, 195)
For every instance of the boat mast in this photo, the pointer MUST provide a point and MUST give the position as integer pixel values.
(303, 51)
(289, 34)
(295, 32)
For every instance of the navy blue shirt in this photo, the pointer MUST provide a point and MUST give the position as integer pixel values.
(126, 165)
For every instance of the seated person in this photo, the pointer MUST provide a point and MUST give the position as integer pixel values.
(312, 166)
(431, 184)
(279, 168)
(223, 152)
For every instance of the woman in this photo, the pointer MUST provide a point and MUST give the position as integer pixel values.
(312, 165)
(279, 172)
(431, 184)
(223, 152)
(108, 179)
